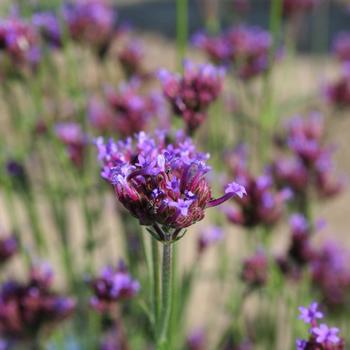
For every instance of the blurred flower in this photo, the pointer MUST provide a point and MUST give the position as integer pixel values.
(161, 183)
(246, 48)
(17, 174)
(338, 92)
(321, 337)
(26, 308)
(191, 95)
(208, 237)
(19, 47)
(8, 248)
(48, 25)
(296, 7)
(342, 46)
(255, 269)
(196, 340)
(330, 274)
(131, 58)
(112, 285)
(73, 137)
(91, 22)
(131, 110)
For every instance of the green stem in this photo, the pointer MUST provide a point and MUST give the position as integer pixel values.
(162, 341)
(156, 280)
(181, 29)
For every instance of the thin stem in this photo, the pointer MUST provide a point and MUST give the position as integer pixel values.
(181, 29)
(156, 280)
(162, 341)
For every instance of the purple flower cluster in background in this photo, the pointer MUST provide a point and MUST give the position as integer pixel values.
(19, 47)
(161, 183)
(341, 47)
(263, 205)
(321, 336)
(27, 308)
(338, 92)
(310, 164)
(111, 286)
(48, 25)
(8, 248)
(330, 274)
(91, 22)
(247, 49)
(192, 94)
(72, 136)
(296, 7)
(131, 58)
(208, 237)
(255, 269)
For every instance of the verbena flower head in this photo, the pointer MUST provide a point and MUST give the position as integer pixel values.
(341, 47)
(113, 285)
(255, 269)
(244, 48)
(131, 110)
(296, 7)
(131, 58)
(196, 340)
(8, 248)
(161, 183)
(330, 274)
(91, 22)
(49, 27)
(208, 237)
(19, 47)
(192, 94)
(27, 308)
(338, 92)
(72, 136)
(321, 336)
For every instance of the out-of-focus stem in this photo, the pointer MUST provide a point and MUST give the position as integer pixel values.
(181, 30)
(163, 326)
(156, 280)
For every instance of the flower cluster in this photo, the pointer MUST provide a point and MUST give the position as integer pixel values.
(296, 7)
(48, 25)
(91, 22)
(330, 274)
(196, 340)
(342, 47)
(208, 237)
(310, 164)
(161, 183)
(8, 248)
(73, 137)
(255, 269)
(246, 48)
(19, 47)
(338, 92)
(300, 253)
(263, 205)
(131, 59)
(321, 336)
(191, 95)
(112, 285)
(26, 308)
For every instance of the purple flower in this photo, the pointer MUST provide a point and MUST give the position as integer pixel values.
(338, 92)
(342, 47)
(301, 344)
(255, 269)
(91, 22)
(325, 334)
(160, 183)
(26, 308)
(48, 25)
(113, 285)
(196, 340)
(73, 137)
(209, 236)
(311, 313)
(295, 7)
(191, 95)
(131, 58)
(8, 248)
